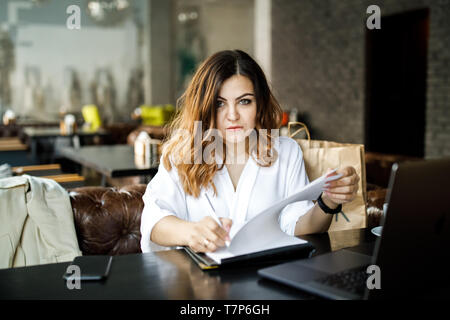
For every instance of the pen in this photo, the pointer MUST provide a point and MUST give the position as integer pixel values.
(213, 212)
(214, 215)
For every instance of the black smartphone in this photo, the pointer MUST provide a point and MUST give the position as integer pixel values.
(89, 268)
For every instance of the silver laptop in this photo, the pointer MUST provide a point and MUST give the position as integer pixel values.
(409, 259)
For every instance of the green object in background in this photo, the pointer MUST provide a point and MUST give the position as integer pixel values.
(157, 115)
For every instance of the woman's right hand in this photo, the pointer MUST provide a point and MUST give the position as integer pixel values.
(207, 235)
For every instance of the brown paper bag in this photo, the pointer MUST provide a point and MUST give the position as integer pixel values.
(321, 155)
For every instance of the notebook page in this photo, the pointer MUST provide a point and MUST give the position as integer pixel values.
(264, 228)
(263, 231)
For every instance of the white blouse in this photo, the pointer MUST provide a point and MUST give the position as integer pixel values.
(257, 189)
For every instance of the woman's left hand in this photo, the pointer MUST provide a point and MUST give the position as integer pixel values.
(343, 189)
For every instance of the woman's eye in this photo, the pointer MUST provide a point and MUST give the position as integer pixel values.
(220, 103)
(245, 101)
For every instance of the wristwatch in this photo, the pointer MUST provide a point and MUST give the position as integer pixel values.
(326, 208)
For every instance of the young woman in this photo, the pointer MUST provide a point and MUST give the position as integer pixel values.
(218, 158)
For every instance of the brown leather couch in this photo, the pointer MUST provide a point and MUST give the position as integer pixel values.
(107, 219)
(378, 166)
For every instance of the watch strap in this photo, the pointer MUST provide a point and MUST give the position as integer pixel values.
(327, 209)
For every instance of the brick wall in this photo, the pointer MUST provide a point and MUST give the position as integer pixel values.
(318, 65)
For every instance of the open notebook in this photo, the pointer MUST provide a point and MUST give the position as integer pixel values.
(262, 235)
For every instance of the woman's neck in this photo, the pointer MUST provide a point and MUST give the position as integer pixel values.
(237, 153)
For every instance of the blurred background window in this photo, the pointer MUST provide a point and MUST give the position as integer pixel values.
(204, 27)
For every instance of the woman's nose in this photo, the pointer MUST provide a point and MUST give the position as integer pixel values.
(233, 113)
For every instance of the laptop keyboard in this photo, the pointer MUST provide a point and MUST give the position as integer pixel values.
(352, 280)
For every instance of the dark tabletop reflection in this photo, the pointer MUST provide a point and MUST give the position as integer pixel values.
(190, 282)
(181, 278)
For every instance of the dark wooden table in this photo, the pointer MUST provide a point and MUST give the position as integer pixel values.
(39, 135)
(13, 152)
(109, 160)
(169, 275)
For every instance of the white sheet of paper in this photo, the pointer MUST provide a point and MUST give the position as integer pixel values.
(263, 232)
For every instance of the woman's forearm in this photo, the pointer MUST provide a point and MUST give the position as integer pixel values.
(314, 221)
(170, 231)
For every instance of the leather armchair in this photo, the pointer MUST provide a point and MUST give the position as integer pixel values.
(108, 219)
(376, 196)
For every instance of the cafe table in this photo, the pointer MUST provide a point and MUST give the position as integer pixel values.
(50, 134)
(111, 161)
(172, 275)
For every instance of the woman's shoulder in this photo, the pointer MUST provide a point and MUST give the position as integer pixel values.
(167, 170)
(288, 146)
(289, 151)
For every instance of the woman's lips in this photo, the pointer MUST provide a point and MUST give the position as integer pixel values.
(234, 128)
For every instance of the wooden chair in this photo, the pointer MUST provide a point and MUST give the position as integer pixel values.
(51, 171)
(12, 144)
(13, 151)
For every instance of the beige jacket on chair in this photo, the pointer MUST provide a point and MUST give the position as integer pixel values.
(36, 223)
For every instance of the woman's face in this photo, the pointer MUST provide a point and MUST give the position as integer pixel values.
(236, 109)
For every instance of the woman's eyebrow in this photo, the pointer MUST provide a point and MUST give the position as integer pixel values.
(241, 96)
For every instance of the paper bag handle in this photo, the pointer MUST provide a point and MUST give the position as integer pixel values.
(303, 128)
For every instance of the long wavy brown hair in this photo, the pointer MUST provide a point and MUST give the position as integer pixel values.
(198, 103)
